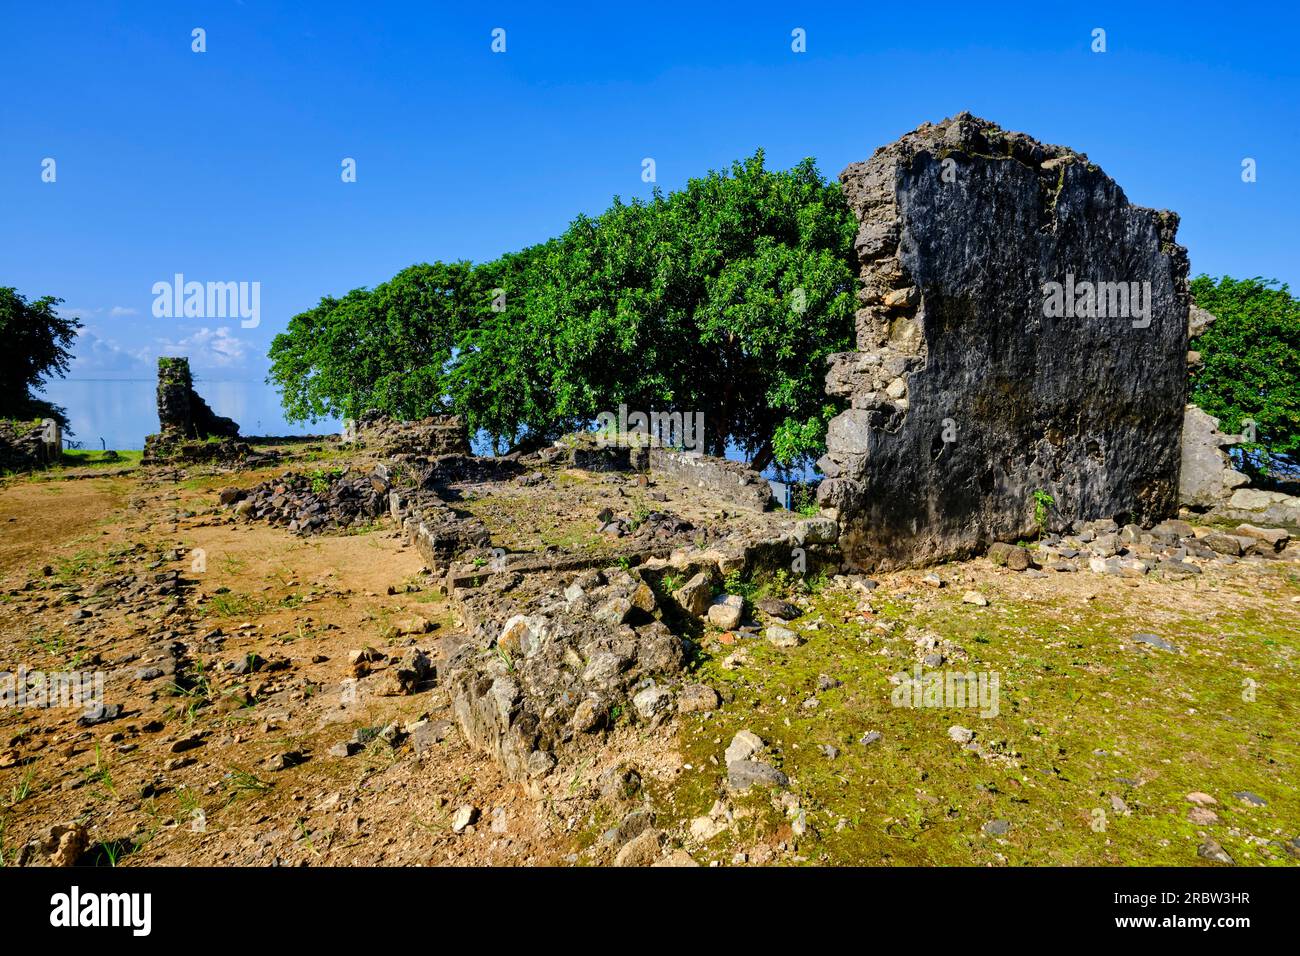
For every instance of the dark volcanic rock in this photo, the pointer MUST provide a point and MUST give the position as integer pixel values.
(777, 608)
(968, 393)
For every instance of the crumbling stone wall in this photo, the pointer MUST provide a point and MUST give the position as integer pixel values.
(23, 445)
(1209, 484)
(420, 438)
(1207, 477)
(438, 533)
(183, 415)
(966, 396)
(729, 480)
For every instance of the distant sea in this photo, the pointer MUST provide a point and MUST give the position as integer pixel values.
(118, 413)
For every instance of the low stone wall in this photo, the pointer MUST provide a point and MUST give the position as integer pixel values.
(729, 480)
(1258, 506)
(440, 535)
(422, 438)
(23, 446)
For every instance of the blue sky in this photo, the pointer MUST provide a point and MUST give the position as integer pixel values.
(225, 165)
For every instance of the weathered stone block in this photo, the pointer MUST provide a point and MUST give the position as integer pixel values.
(1206, 478)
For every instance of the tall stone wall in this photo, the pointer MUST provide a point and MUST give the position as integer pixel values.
(183, 415)
(970, 390)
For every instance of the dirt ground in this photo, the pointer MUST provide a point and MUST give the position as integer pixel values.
(169, 784)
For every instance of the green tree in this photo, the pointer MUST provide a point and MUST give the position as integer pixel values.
(1251, 363)
(36, 340)
(386, 348)
(722, 298)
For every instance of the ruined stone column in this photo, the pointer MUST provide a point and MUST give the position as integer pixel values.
(1022, 337)
(183, 415)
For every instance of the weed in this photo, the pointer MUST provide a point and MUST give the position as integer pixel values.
(1043, 504)
(735, 583)
(241, 781)
(22, 789)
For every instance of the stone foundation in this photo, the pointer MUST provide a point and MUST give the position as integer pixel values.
(422, 438)
(729, 480)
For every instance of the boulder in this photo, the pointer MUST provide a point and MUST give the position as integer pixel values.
(775, 607)
(743, 774)
(697, 698)
(743, 745)
(1274, 538)
(1009, 556)
(726, 611)
(1206, 477)
(695, 595)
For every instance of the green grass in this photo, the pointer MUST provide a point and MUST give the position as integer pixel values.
(1084, 708)
(22, 789)
(83, 457)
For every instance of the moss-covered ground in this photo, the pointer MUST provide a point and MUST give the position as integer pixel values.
(1096, 744)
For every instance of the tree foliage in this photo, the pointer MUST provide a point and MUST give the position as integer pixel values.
(36, 340)
(722, 298)
(385, 348)
(1251, 361)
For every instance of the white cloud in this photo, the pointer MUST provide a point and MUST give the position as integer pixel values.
(93, 354)
(212, 348)
(112, 344)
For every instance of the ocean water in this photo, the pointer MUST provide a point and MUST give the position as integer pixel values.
(118, 413)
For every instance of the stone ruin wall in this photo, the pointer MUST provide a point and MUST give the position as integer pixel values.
(727, 480)
(962, 224)
(1210, 485)
(184, 417)
(28, 445)
(424, 437)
